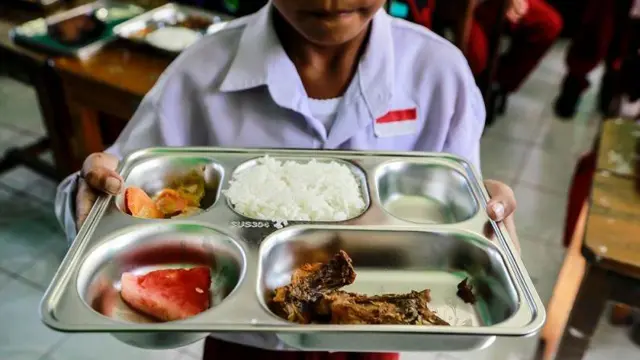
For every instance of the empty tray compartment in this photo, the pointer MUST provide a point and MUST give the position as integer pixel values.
(175, 171)
(399, 262)
(425, 193)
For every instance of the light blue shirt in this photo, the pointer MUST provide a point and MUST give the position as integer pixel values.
(238, 88)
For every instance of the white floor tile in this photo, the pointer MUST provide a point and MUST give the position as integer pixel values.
(611, 342)
(501, 158)
(20, 110)
(548, 170)
(187, 357)
(419, 356)
(30, 184)
(18, 207)
(569, 138)
(502, 349)
(28, 337)
(195, 350)
(105, 347)
(540, 214)
(4, 279)
(543, 261)
(12, 137)
(522, 120)
(43, 270)
(21, 244)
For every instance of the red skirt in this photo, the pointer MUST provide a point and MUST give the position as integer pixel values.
(215, 349)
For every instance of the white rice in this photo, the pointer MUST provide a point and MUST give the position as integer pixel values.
(296, 191)
(173, 38)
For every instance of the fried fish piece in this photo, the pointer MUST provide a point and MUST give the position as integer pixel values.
(314, 296)
(389, 309)
(308, 284)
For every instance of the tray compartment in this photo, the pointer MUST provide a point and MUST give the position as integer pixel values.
(394, 261)
(425, 193)
(358, 175)
(154, 174)
(142, 249)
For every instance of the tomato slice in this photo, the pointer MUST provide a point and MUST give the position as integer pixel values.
(137, 203)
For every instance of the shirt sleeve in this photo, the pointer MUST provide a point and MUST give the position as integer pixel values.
(467, 123)
(455, 116)
(467, 118)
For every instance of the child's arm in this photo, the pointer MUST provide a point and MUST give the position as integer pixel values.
(458, 111)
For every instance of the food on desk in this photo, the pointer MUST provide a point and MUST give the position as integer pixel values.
(181, 198)
(173, 38)
(174, 35)
(314, 297)
(465, 292)
(77, 30)
(37, 27)
(197, 23)
(170, 294)
(297, 191)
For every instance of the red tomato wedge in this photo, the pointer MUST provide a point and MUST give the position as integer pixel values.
(168, 295)
(139, 204)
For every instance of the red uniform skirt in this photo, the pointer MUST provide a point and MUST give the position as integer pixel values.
(215, 349)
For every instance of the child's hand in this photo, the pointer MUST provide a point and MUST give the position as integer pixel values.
(502, 206)
(98, 176)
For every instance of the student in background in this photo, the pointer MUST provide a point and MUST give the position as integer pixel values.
(601, 37)
(533, 25)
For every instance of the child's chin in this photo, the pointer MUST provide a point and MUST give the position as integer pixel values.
(333, 33)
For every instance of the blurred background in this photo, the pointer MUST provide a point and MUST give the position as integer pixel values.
(560, 82)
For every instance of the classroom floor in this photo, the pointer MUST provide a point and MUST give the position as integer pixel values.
(528, 149)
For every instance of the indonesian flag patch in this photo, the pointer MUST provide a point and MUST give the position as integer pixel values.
(396, 123)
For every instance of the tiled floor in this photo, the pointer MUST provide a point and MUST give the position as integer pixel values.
(528, 149)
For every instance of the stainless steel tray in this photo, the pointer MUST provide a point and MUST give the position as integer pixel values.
(396, 245)
(136, 29)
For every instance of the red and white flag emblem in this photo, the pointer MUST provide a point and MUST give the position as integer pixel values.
(397, 122)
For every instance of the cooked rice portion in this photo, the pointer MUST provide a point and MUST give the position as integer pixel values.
(296, 191)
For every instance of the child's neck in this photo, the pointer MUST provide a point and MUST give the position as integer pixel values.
(325, 71)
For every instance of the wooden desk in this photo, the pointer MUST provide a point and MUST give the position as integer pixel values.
(610, 246)
(33, 68)
(108, 86)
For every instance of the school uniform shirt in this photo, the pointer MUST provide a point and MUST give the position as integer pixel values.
(413, 91)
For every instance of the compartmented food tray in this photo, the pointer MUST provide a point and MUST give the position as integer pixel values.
(419, 222)
(92, 24)
(187, 22)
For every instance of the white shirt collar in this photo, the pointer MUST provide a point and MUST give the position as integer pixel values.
(261, 60)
